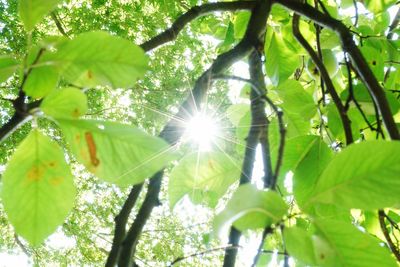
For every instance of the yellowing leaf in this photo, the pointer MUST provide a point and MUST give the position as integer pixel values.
(116, 153)
(68, 103)
(38, 191)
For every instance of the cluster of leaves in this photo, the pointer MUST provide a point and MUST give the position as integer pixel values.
(335, 189)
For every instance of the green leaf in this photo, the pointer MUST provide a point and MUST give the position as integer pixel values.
(38, 191)
(299, 244)
(41, 81)
(350, 246)
(280, 61)
(67, 103)
(250, 208)
(378, 6)
(296, 149)
(205, 177)
(8, 66)
(32, 12)
(116, 153)
(98, 58)
(375, 60)
(313, 160)
(295, 99)
(296, 125)
(240, 24)
(364, 176)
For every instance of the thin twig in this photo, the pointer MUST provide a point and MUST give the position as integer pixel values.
(385, 232)
(201, 253)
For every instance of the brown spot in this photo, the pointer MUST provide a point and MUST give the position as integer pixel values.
(90, 74)
(322, 256)
(315, 71)
(76, 113)
(35, 173)
(374, 62)
(78, 138)
(56, 180)
(92, 149)
(52, 164)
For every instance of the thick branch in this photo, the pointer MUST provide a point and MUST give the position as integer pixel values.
(359, 61)
(259, 15)
(193, 13)
(120, 224)
(325, 77)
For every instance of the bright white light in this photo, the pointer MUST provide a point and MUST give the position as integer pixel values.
(202, 130)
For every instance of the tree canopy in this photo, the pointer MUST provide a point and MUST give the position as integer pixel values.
(200, 133)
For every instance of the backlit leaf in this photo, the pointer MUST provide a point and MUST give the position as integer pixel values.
(8, 65)
(350, 246)
(116, 153)
(204, 177)
(364, 176)
(38, 191)
(69, 103)
(32, 12)
(98, 58)
(41, 81)
(250, 208)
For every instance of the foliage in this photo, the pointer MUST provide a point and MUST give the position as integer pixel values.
(306, 157)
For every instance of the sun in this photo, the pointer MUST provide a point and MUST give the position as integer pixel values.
(202, 130)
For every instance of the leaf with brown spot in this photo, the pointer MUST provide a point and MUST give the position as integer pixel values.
(38, 191)
(116, 153)
(68, 103)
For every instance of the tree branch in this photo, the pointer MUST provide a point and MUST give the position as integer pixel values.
(325, 76)
(58, 24)
(120, 224)
(359, 61)
(392, 246)
(193, 13)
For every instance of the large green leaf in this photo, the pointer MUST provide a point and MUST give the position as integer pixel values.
(350, 246)
(68, 103)
(364, 176)
(250, 208)
(38, 191)
(98, 58)
(32, 12)
(280, 61)
(8, 65)
(204, 177)
(116, 153)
